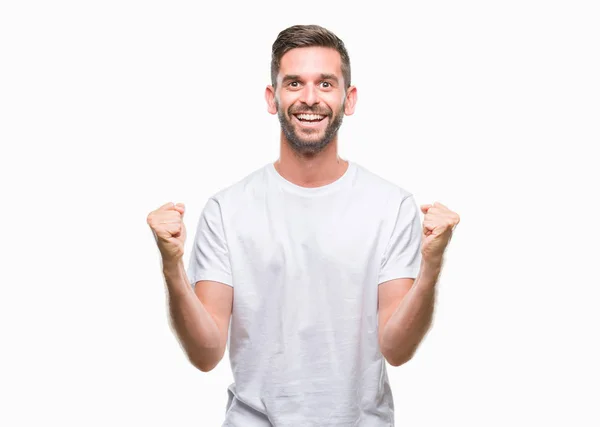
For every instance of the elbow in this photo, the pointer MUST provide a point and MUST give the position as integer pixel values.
(203, 366)
(206, 364)
(399, 362)
(402, 356)
(400, 359)
(206, 369)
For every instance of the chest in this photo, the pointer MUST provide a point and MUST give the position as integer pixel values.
(306, 244)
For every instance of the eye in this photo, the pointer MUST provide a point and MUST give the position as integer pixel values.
(328, 85)
(294, 84)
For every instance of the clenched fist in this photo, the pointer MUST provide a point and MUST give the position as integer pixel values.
(168, 228)
(438, 225)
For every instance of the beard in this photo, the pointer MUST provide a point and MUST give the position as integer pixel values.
(310, 144)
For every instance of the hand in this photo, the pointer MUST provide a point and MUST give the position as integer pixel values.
(438, 224)
(168, 228)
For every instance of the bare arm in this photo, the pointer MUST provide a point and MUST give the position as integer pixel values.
(412, 317)
(199, 333)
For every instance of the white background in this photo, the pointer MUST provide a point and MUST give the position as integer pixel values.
(111, 109)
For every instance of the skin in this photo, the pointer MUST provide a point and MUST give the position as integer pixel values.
(309, 155)
(308, 158)
(406, 305)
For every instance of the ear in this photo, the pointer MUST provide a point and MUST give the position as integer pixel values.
(270, 98)
(351, 98)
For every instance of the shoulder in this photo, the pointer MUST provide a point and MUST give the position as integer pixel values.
(242, 190)
(381, 187)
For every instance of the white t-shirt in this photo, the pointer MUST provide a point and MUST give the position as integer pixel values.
(305, 265)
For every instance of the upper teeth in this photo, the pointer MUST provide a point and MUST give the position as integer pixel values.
(309, 116)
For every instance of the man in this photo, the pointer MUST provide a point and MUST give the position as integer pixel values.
(321, 255)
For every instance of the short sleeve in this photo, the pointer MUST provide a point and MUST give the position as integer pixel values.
(402, 256)
(209, 258)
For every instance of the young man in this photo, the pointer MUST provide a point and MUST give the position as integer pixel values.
(320, 254)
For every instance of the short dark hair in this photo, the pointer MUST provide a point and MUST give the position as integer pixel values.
(307, 36)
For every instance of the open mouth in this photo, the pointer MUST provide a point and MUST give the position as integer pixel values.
(310, 120)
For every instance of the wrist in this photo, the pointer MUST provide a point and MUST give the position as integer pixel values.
(171, 266)
(176, 278)
(432, 261)
(431, 266)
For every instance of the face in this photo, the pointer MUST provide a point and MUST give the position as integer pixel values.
(310, 99)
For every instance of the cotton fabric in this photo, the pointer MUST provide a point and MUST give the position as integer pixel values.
(305, 265)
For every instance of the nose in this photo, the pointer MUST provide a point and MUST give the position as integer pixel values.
(309, 95)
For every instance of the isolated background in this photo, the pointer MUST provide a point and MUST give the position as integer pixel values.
(110, 109)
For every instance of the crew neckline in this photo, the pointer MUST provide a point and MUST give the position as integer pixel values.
(313, 191)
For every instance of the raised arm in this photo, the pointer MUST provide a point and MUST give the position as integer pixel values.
(199, 316)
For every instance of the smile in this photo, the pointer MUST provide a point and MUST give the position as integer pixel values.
(309, 120)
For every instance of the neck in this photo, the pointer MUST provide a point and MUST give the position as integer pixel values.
(310, 170)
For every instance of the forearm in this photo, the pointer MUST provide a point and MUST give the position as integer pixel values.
(194, 326)
(409, 323)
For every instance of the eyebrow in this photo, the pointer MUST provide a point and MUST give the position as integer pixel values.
(292, 77)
